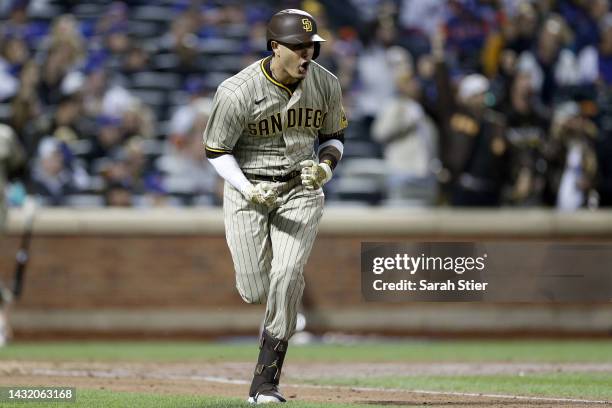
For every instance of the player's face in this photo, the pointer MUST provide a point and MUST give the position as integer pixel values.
(294, 60)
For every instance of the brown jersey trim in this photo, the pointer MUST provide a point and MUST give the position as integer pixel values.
(214, 153)
(269, 77)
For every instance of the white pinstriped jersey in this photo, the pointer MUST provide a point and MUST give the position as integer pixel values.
(268, 128)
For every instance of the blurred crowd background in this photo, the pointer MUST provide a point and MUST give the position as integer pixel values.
(450, 103)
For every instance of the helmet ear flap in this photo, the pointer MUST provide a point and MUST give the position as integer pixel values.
(317, 49)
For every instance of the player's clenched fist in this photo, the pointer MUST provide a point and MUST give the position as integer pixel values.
(261, 193)
(314, 174)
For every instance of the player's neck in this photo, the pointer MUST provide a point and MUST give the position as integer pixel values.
(281, 75)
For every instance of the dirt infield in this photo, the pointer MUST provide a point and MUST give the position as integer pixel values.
(231, 380)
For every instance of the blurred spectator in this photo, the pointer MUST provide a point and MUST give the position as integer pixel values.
(583, 18)
(521, 30)
(467, 26)
(64, 122)
(182, 40)
(18, 23)
(136, 59)
(420, 19)
(9, 85)
(527, 123)
(94, 88)
(14, 53)
(410, 137)
(106, 141)
(550, 64)
(256, 40)
(481, 164)
(475, 150)
(137, 120)
(572, 159)
(116, 100)
(502, 77)
(515, 33)
(129, 167)
(604, 159)
(595, 62)
(12, 161)
(183, 118)
(115, 16)
(185, 173)
(117, 43)
(65, 35)
(52, 74)
(371, 66)
(118, 194)
(26, 105)
(55, 176)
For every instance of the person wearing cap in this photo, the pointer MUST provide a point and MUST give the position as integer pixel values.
(260, 139)
(474, 151)
(480, 168)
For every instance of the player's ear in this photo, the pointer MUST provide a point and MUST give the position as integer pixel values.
(275, 47)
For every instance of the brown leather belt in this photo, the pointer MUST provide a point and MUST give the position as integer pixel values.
(276, 179)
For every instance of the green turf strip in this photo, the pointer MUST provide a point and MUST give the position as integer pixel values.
(590, 386)
(408, 351)
(109, 399)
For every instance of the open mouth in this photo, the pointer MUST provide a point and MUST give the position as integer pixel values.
(304, 66)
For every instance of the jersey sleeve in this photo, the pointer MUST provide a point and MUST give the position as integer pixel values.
(226, 123)
(335, 119)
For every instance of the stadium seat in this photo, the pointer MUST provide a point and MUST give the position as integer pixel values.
(166, 62)
(178, 98)
(220, 46)
(153, 98)
(85, 200)
(41, 10)
(213, 79)
(153, 13)
(88, 11)
(155, 80)
(144, 29)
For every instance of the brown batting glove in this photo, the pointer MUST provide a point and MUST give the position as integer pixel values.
(314, 174)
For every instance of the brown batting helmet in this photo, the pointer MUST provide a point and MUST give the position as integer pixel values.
(293, 26)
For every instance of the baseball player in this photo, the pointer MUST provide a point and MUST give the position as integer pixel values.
(261, 137)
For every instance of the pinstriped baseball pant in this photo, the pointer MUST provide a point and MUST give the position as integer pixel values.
(270, 247)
